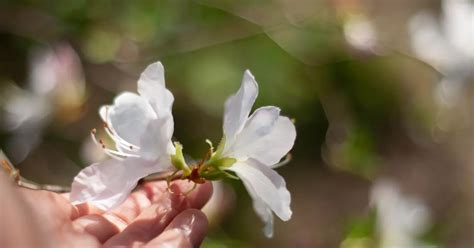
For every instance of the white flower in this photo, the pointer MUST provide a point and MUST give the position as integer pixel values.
(447, 46)
(56, 86)
(57, 72)
(141, 127)
(257, 143)
(400, 219)
(360, 32)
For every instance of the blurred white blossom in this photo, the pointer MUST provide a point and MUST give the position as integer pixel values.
(56, 88)
(360, 32)
(57, 73)
(400, 219)
(447, 45)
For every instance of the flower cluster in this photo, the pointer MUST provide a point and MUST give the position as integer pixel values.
(141, 126)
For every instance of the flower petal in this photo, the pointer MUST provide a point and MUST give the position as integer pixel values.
(458, 19)
(264, 212)
(151, 85)
(238, 106)
(266, 137)
(266, 187)
(153, 74)
(157, 141)
(429, 43)
(130, 116)
(107, 184)
(104, 184)
(103, 112)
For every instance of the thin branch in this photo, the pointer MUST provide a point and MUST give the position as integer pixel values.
(25, 183)
(14, 174)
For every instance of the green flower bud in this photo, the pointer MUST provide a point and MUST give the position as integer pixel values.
(178, 160)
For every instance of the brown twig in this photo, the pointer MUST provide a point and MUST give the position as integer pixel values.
(25, 183)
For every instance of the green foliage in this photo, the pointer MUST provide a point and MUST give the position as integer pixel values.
(358, 153)
(361, 232)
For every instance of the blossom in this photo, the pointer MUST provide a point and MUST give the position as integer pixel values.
(255, 144)
(56, 85)
(141, 126)
(447, 46)
(400, 219)
(360, 32)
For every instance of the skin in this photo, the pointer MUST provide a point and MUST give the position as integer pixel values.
(150, 217)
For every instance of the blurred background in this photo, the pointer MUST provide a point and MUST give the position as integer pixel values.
(382, 94)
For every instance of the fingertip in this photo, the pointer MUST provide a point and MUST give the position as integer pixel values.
(187, 229)
(193, 223)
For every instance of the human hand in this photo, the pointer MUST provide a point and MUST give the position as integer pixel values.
(150, 217)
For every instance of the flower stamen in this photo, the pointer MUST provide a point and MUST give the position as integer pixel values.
(118, 140)
(112, 153)
(114, 136)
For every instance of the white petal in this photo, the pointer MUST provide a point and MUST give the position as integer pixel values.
(157, 140)
(428, 42)
(130, 116)
(265, 186)
(458, 24)
(153, 74)
(151, 85)
(107, 184)
(400, 218)
(266, 137)
(238, 106)
(104, 111)
(264, 212)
